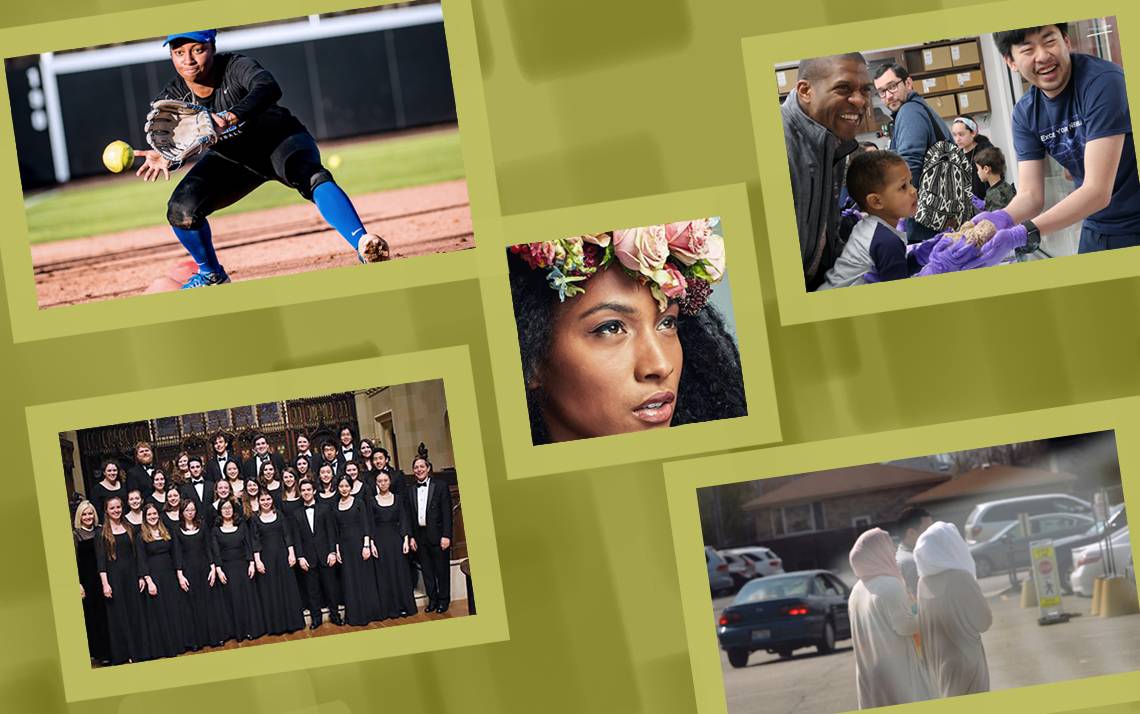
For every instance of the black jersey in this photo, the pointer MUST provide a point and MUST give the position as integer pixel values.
(248, 90)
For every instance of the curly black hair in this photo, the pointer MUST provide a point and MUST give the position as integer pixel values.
(711, 387)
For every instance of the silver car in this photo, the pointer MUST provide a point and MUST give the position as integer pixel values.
(720, 581)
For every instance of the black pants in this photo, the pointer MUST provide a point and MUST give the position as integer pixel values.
(223, 177)
(435, 564)
(321, 589)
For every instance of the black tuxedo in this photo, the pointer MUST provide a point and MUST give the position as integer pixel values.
(214, 470)
(137, 477)
(319, 584)
(249, 469)
(188, 491)
(435, 563)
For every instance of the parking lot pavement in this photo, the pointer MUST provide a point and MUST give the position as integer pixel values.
(1019, 651)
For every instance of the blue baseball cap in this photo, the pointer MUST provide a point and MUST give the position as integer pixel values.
(199, 36)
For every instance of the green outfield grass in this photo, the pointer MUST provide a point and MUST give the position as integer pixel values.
(129, 202)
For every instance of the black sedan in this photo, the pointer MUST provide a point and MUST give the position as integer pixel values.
(782, 613)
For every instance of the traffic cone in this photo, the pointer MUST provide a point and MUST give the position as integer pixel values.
(1028, 593)
(1118, 597)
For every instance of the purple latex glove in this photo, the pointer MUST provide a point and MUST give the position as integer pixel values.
(852, 212)
(949, 256)
(999, 247)
(1000, 219)
(979, 204)
(922, 251)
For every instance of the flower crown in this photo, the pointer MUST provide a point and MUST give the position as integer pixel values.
(678, 261)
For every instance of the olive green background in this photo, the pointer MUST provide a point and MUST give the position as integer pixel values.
(561, 104)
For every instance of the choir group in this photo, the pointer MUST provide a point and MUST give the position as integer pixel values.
(227, 549)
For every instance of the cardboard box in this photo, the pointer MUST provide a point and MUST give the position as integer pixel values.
(928, 59)
(964, 54)
(944, 105)
(931, 85)
(786, 79)
(973, 102)
(965, 80)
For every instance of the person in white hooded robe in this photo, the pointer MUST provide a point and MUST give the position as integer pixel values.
(952, 613)
(883, 625)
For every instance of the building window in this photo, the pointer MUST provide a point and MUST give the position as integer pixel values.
(799, 518)
(861, 523)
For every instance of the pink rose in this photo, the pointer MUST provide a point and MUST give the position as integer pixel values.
(688, 240)
(642, 250)
(714, 257)
(598, 239)
(672, 282)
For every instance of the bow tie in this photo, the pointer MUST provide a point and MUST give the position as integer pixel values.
(195, 481)
(421, 484)
(309, 508)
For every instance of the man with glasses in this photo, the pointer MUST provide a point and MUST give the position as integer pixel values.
(916, 128)
(822, 116)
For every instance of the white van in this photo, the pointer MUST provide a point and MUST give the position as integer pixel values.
(990, 517)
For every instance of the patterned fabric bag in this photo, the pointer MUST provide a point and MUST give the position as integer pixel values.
(944, 196)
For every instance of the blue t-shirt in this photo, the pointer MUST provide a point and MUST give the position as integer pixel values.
(1093, 105)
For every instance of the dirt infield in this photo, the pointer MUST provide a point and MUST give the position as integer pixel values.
(281, 241)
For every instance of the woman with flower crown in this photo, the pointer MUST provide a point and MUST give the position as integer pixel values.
(617, 335)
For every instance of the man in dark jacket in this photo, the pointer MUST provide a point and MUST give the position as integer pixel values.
(822, 116)
(916, 128)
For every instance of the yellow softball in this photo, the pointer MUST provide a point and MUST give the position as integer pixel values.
(118, 156)
(334, 162)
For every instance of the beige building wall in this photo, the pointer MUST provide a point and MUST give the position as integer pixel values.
(414, 413)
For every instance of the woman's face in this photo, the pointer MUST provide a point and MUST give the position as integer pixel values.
(184, 463)
(151, 516)
(134, 500)
(615, 361)
(265, 500)
(302, 444)
(963, 137)
(288, 479)
(269, 473)
(159, 480)
(190, 512)
(365, 449)
(173, 498)
(226, 510)
(232, 470)
(251, 488)
(111, 473)
(326, 474)
(351, 470)
(302, 466)
(383, 482)
(222, 489)
(114, 509)
(87, 518)
(344, 488)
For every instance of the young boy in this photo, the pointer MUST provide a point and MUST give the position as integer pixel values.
(991, 170)
(880, 182)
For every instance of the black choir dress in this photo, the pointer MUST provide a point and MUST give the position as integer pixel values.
(393, 579)
(287, 510)
(277, 587)
(100, 494)
(205, 614)
(232, 553)
(164, 609)
(358, 576)
(126, 623)
(94, 609)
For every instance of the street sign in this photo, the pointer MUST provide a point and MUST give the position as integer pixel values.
(1045, 579)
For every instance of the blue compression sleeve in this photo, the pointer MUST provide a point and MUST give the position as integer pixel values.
(199, 243)
(337, 210)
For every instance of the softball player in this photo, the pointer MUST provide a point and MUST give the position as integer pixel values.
(258, 140)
